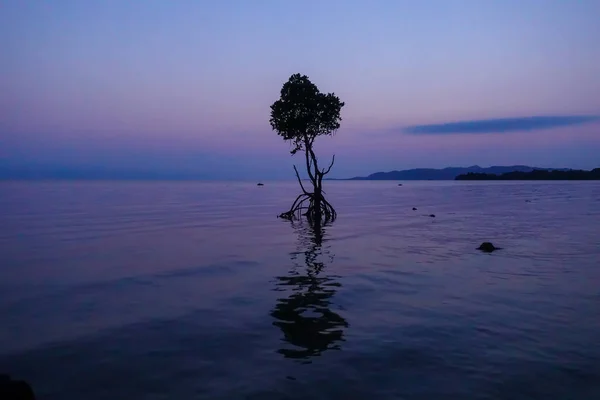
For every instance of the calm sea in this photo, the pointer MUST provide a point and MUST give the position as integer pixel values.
(195, 290)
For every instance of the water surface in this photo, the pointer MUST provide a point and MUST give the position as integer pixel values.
(162, 290)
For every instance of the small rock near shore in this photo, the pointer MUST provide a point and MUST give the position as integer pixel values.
(11, 389)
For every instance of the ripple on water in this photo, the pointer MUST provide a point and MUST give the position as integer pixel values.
(195, 290)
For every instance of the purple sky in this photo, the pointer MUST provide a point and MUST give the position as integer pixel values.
(185, 86)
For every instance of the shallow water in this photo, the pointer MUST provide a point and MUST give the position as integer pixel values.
(163, 290)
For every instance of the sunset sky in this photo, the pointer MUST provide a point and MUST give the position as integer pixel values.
(184, 87)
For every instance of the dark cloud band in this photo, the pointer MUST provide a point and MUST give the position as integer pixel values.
(502, 125)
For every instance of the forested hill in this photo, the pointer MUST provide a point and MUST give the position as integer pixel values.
(535, 175)
(448, 173)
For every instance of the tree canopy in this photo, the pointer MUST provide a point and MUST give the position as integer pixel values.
(303, 112)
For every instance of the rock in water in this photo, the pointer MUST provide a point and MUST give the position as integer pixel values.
(414, 208)
(17, 390)
(487, 247)
(432, 215)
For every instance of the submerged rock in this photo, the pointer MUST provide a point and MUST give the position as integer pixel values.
(10, 389)
(487, 247)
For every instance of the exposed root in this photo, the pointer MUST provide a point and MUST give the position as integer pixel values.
(312, 205)
(306, 205)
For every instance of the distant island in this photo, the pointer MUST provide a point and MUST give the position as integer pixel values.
(449, 173)
(535, 175)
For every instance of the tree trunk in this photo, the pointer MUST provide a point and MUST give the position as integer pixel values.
(317, 201)
(318, 210)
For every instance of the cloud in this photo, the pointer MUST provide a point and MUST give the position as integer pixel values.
(502, 125)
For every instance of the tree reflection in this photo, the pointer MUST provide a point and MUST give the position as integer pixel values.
(305, 316)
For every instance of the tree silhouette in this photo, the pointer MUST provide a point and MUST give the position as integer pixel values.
(301, 115)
